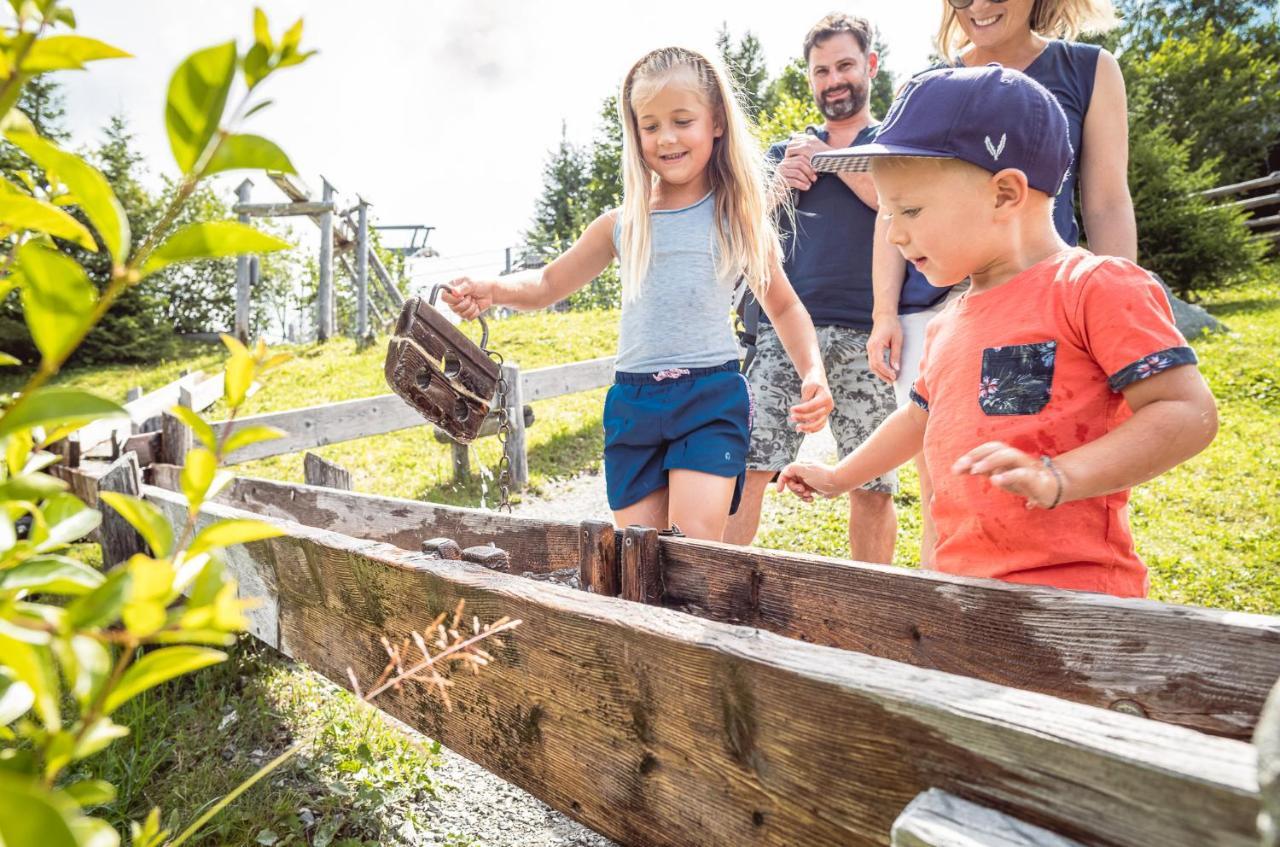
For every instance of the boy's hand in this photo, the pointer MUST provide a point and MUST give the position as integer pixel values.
(805, 479)
(810, 414)
(886, 337)
(469, 298)
(1012, 470)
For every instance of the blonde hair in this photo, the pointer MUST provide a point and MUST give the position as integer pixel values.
(746, 236)
(1050, 18)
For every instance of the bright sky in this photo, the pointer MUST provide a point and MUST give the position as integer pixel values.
(437, 113)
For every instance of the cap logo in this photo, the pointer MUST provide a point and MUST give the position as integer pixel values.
(993, 149)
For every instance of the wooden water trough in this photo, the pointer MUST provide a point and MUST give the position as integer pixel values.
(697, 693)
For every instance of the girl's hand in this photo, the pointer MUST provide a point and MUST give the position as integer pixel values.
(1012, 470)
(469, 298)
(810, 414)
(805, 479)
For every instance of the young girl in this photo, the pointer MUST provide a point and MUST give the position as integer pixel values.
(694, 219)
(1033, 36)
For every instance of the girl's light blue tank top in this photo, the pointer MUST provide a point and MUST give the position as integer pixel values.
(682, 318)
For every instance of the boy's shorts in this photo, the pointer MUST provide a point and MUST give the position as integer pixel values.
(862, 399)
(696, 419)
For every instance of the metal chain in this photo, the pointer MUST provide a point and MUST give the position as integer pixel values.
(504, 437)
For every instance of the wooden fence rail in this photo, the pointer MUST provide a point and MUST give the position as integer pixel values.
(658, 728)
(1201, 668)
(1263, 225)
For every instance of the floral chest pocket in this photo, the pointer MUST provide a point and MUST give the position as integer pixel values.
(1016, 380)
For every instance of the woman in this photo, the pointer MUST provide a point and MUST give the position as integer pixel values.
(1033, 36)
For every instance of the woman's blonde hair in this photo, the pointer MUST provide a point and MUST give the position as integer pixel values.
(1050, 18)
(746, 236)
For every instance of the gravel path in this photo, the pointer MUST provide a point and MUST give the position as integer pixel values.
(490, 810)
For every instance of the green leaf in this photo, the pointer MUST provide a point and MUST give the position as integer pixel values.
(199, 426)
(6, 360)
(235, 531)
(31, 487)
(102, 605)
(261, 30)
(213, 240)
(94, 832)
(30, 815)
(52, 575)
(34, 665)
(197, 475)
(91, 792)
(69, 520)
(86, 662)
(89, 189)
(196, 99)
(49, 407)
(57, 298)
(239, 378)
(21, 212)
(251, 152)
(242, 437)
(150, 523)
(16, 120)
(16, 698)
(98, 737)
(160, 666)
(257, 64)
(67, 52)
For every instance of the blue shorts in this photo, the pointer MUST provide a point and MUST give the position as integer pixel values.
(697, 419)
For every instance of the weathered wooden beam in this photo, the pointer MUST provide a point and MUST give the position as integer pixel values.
(331, 423)
(1267, 742)
(938, 819)
(543, 383)
(318, 471)
(515, 447)
(176, 439)
(147, 446)
(119, 539)
(141, 410)
(244, 281)
(281, 210)
(324, 287)
(598, 559)
(537, 545)
(657, 728)
(641, 570)
(1201, 668)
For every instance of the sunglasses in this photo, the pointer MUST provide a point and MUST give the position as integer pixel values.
(964, 4)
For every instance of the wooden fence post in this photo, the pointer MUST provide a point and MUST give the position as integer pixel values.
(133, 394)
(598, 558)
(119, 539)
(461, 461)
(641, 574)
(324, 291)
(515, 414)
(317, 471)
(362, 275)
(176, 439)
(1266, 739)
(938, 819)
(243, 287)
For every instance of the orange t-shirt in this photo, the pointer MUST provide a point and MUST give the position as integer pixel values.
(1039, 363)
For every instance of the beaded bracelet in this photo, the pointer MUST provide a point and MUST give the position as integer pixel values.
(1057, 476)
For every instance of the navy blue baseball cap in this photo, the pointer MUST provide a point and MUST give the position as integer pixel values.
(991, 116)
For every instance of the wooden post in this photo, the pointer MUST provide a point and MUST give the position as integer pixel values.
(598, 558)
(1267, 741)
(324, 290)
(461, 461)
(641, 574)
(317, 471)
(243, 285)
(515, 414)
(362, 274)
(119, 539)
(133, 394)
(69, 449)
(938, 819)
(176, 439)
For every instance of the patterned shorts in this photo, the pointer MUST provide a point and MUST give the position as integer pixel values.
(862, 399)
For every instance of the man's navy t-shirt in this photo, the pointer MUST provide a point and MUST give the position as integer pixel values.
(829, 264)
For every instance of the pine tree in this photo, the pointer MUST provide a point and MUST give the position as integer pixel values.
(884, 85)
(746, 65)
(557, 220)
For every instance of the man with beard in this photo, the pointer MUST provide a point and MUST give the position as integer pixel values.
(829, 257)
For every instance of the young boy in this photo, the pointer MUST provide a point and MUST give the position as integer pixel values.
(1056, 383)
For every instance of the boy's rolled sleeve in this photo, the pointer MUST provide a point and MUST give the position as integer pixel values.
(1127, 325)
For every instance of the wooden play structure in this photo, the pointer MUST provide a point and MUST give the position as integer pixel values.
(694, 693)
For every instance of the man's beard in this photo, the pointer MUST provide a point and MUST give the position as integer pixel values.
(841, 109)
